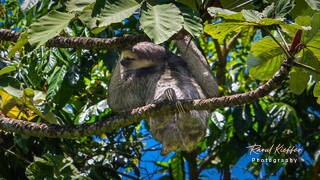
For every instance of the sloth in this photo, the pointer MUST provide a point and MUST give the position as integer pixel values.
(147, 73)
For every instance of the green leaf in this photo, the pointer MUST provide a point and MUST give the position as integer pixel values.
(28, 4)
(314, 33)
(316, 90)
(298, 80)
(48, 27)
(251, 15)
(160, 21)
(303, 20)
(7, 70)
(309, 58)
(314, 4)
(264, 70)
(87, 18)
(225, 13)
(55, 81)
(116, 10)
(78, 5)
(177, 167)
(265, 49)
(265, 59)
(280, 9)
(221, 30)
(192, 20)
(23, 39)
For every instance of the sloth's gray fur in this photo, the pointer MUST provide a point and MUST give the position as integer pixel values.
(148, 73)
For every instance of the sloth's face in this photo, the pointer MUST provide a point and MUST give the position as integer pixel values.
(130, 61)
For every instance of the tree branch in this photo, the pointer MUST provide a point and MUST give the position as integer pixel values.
(222, 57)
(80, 42)
(111, 123)
(191, 157)
(85, 42)
(207, 161)
(221, 64)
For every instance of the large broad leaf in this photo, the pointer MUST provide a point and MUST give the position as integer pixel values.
(78, 5)
(314, 33)
(221, 30)
(309, 58)
(225, 13)
(313, 37)
(265, 60)
(314, 4)
(116, 10)
(161, 21)
(48, 27)
(192, 20)
(298, 80)
(265, 49)
(55, 81)
(264, 70)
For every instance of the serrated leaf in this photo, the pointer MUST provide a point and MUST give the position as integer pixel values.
(48, 27)
(78, 5)
(23, 39)
(279, 9)
(298, 80)
(160, 21)
(314, 4)
(55, 81)
(192, 20)
(7, 70)
(251, 15)
(116, 10)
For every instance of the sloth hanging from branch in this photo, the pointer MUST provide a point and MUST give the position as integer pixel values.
(147, 73)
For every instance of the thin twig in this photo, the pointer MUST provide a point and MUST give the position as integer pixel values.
(280, 45)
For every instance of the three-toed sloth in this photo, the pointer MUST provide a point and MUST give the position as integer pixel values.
(147, 73)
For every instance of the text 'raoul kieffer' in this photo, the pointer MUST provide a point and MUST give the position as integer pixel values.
(274, 149)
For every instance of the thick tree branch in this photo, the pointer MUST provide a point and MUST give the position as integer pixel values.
(109, 124)
(80, 42)
(88, 43)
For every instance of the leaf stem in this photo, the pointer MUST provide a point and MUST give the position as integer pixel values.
(304, 66)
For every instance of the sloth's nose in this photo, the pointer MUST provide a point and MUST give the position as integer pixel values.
(125, 62)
